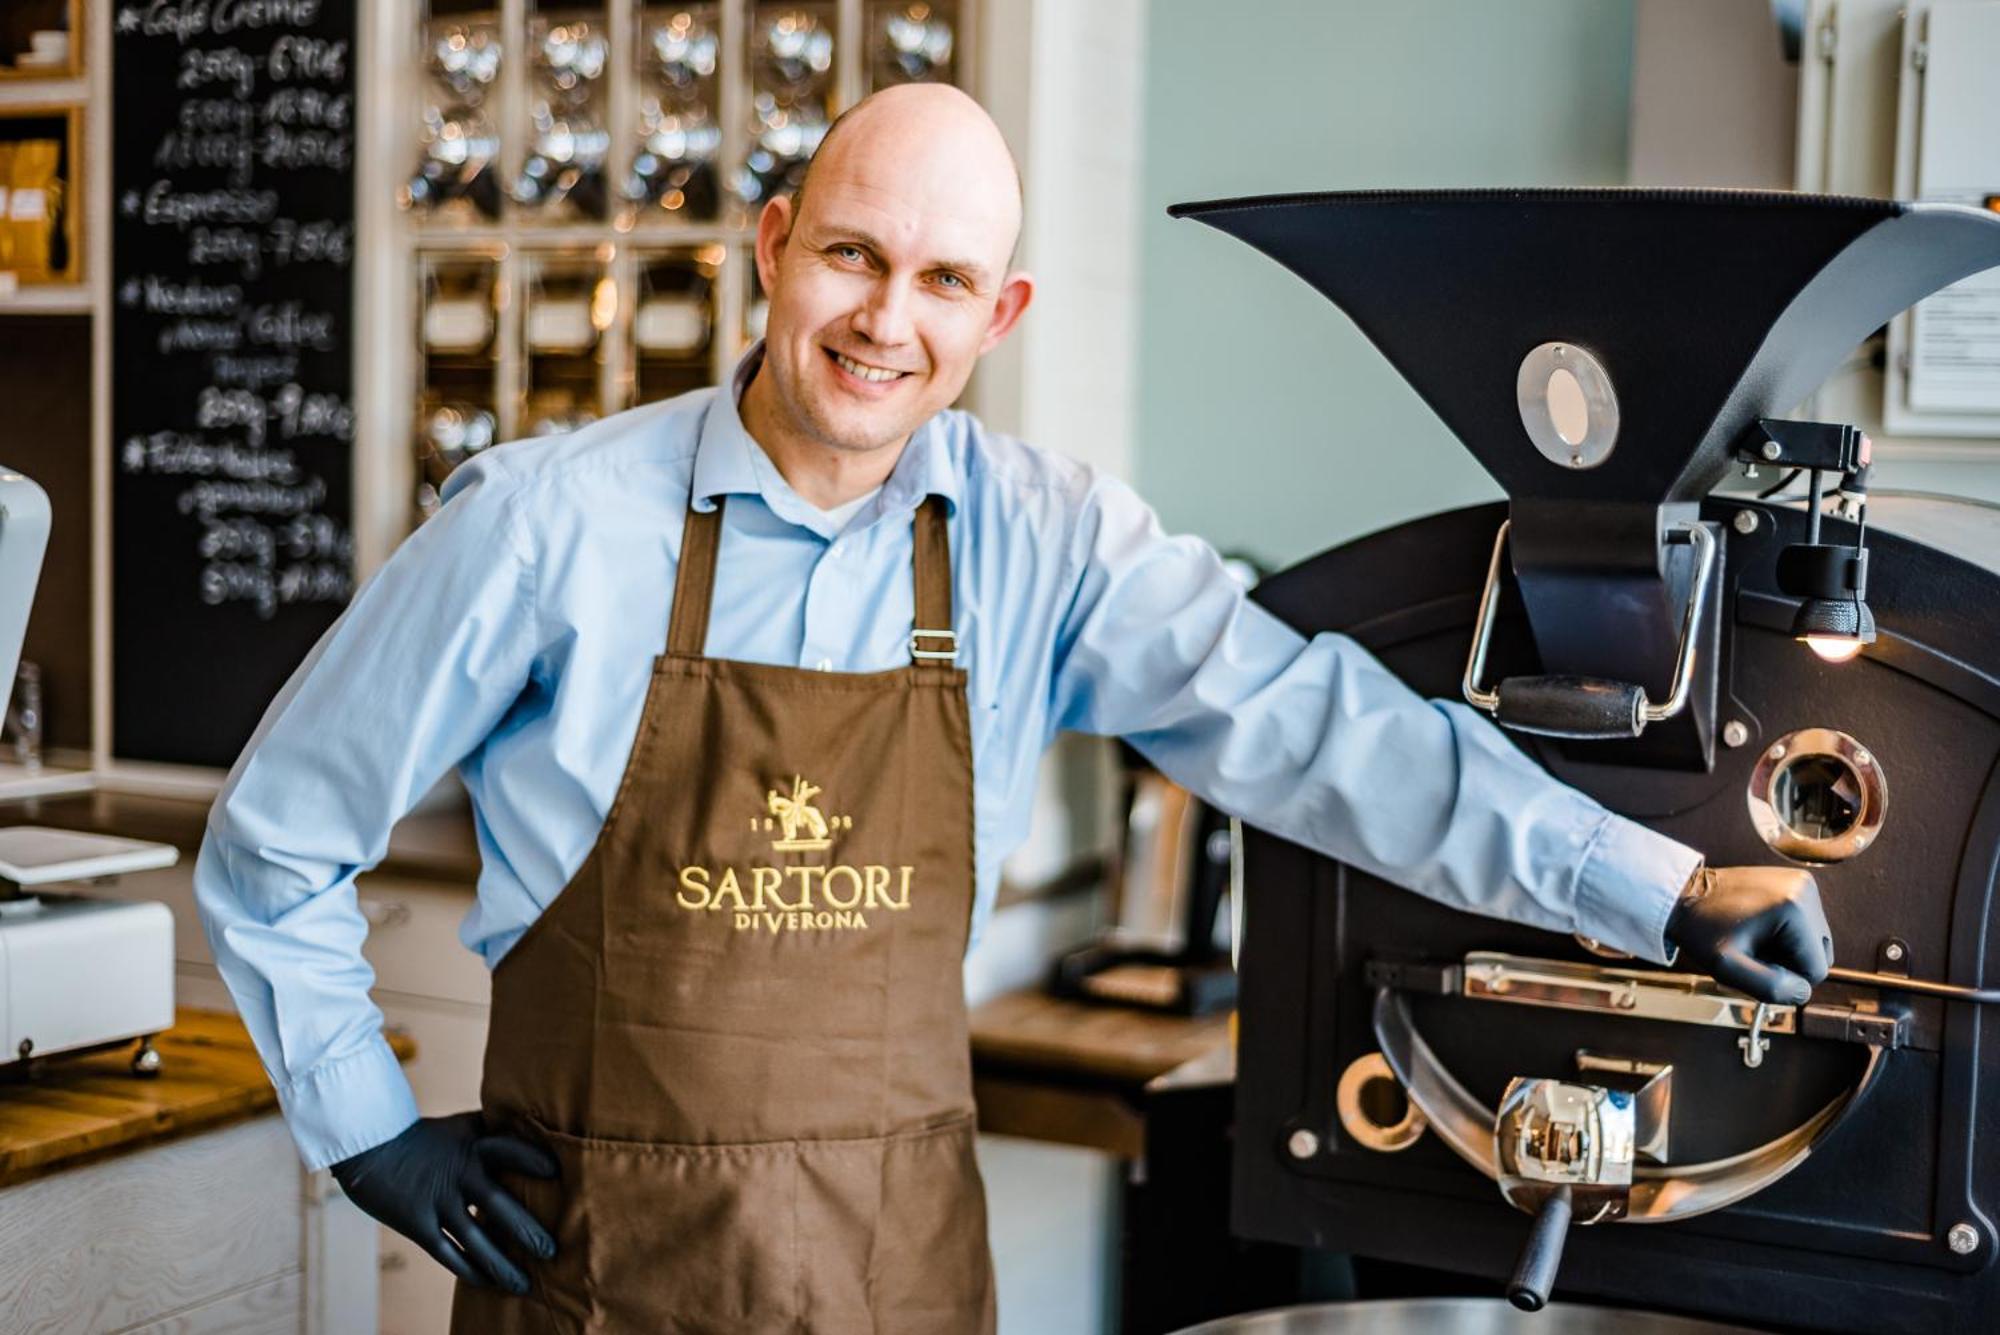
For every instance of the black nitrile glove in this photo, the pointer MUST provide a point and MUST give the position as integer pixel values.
(433, 1185)
(1759, 930)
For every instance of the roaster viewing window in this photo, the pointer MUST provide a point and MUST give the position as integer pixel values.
(1818, 796)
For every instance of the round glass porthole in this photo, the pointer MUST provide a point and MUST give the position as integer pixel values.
(1817, 795)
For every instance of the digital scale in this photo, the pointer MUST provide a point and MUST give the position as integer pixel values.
(76, 972)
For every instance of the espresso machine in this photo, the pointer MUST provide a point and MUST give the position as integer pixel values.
(1808, 681)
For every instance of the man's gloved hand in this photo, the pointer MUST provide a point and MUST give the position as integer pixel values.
(428, 1182)
(1759, 930)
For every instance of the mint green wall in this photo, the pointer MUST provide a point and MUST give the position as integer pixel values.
(1266, 422)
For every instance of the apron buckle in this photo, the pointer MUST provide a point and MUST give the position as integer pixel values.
(948, 654)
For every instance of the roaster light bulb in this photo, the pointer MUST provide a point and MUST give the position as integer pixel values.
(1834, 648)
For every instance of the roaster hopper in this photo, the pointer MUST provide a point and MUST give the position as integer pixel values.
(1412, 1079)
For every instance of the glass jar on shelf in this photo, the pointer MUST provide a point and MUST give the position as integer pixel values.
(911, 41)
(460, 51)
(673, 320)
(792, 89)
(569, 302)
(450, 431)
(674, 163)
(458, 358)
(569, 137)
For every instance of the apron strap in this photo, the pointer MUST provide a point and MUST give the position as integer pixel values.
(687, 625)
(932, 639)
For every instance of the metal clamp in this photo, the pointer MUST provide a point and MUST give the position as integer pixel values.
(1589, 707)
(947, 655)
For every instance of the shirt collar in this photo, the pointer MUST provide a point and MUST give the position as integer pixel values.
(729, 461)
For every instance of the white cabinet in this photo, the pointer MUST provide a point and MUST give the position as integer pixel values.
(428, 986)
(413, 939)
(451, 1042)
(433, 989)
(214, 1232)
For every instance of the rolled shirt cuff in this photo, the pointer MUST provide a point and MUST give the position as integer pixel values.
(340, 1108)
(1627, 887)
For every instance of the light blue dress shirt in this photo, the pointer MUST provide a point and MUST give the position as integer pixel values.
(512, 636)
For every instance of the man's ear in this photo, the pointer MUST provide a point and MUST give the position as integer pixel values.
(1015, 293)
(774, 229)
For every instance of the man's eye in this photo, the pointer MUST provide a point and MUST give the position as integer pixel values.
(950, 280)
(850, 253)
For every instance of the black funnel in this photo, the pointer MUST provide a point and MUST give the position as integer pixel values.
(1706, 309)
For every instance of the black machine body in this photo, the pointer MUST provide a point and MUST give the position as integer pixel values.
(1859, 1236)
(1414, 1081)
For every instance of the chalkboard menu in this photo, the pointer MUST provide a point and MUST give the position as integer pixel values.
(232, 214)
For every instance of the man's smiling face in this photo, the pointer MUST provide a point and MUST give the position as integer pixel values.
(888, 276)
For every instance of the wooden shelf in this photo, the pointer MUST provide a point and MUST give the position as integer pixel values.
(43, 90)
(48, 299)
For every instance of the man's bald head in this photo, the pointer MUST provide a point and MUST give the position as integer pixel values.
(888, 276)
(937, 116)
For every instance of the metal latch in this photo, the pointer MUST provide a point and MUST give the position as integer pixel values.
(1651, 994)
(1647, 994)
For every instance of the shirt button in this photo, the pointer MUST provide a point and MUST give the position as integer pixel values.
(824, 665)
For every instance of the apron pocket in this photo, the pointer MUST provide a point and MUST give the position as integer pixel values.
(894, 1231)
(688, 1239)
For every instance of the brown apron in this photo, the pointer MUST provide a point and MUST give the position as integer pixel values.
(741, 1027)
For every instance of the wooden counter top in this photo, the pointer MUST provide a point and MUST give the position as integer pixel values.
(1075, 1073)
(73, 1109)
(433, 845)
(1031, 1028)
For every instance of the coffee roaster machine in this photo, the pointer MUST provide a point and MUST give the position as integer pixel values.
(1422, 1085)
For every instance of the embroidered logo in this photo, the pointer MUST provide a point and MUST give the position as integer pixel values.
(799, 896)
(795, 812)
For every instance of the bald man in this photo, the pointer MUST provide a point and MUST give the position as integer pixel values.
(748, 689)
